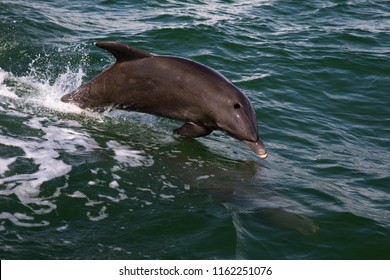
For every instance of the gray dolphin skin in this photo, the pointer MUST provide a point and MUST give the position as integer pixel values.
(171, 87)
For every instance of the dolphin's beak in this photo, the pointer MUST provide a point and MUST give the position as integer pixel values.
(257, 147)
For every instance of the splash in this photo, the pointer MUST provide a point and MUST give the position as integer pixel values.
(49, 94)
(45, 82)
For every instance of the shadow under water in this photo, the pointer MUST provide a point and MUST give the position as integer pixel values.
(238, 185)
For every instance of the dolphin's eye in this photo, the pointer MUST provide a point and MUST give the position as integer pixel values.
(237, 106)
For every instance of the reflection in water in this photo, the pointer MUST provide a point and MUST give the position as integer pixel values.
(238, 185)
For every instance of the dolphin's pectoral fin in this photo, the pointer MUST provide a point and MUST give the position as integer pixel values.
(190, 129)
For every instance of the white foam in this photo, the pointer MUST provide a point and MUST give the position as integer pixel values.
(4, 163)
(121, 192)
(44, 153)
(27, 186)
(121, 196)
(114, 184)
(19, 219)
(63, 228)
(128, 156)
(167, 197)
(77, 194)
(204, 177)
(147, 190)
(101, 215)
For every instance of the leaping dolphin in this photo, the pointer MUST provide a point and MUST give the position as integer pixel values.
(171, 87)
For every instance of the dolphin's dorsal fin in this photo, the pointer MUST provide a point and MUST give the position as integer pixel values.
(123, 52)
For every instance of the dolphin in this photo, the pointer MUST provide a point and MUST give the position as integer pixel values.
(171, 87)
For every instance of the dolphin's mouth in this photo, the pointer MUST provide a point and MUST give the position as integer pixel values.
(257, 147)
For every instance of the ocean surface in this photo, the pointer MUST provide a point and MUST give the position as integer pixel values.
(76, 184)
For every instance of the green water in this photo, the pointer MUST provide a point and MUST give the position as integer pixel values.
(82, 185)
